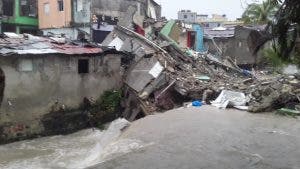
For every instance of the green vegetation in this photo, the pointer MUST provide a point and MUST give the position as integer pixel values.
(283, 19)
(286, 28)
(260, 13)
(273, 57)
(288, 112)
(110, 101)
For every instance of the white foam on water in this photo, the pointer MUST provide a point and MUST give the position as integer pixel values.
(75, 151)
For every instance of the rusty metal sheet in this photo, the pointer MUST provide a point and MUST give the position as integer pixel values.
(42, 45)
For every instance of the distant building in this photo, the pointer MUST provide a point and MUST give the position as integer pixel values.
(213, 22)
(70, 18)
(202, 17)
(187, 16)
(216, 17)
(19, 16)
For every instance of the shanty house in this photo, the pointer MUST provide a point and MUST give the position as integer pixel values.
(239, 43)
(37, 73)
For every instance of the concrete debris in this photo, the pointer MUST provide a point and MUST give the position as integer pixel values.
(163, 75)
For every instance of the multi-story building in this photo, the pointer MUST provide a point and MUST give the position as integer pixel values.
(217, 17)
(213, 22)
(202, 17)
(187, 16)
(69, 18)
(19, 16)
(76, 18)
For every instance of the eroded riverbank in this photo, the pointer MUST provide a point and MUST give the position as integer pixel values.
(79, 150)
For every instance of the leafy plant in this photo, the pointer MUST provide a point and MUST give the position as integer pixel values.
(286, 27)
(110, 101)
(272, 56)
(260, 13)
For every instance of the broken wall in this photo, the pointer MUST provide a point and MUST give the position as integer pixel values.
(70, 33)
(239, 47)
(127, 11)
(123, 41)
(33, 84)
(224, 44)
(182, 41)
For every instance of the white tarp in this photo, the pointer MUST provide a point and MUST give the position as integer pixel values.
(117, 43)
(156, 70)
(231, 98)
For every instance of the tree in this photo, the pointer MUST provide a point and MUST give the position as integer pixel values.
(286, 27)
(260, 13)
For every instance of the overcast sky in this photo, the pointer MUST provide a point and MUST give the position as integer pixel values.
(232, 8)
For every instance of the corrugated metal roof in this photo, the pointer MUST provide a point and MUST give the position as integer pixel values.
(29, 44)
(219, 33)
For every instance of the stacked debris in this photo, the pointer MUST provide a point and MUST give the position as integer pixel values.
(280, 92)
(161, 77)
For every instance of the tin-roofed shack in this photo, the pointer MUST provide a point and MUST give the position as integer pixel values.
(37, 73)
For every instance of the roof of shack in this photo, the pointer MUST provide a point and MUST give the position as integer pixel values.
(11, 43)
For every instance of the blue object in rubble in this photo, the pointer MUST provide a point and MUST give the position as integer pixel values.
(197, 103)
(246, 72)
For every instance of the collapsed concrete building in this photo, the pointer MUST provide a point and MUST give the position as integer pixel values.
(240, 43)
(128, 12)
(37, 73)
(132, 14)
(164, 75)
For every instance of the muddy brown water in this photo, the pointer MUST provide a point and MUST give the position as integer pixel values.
(185, 138)
(210, 138)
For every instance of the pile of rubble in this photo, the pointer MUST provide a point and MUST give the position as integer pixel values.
(162, 76)
(279, 92)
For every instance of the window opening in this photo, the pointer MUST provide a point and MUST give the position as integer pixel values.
(60, 5)
(83, 66)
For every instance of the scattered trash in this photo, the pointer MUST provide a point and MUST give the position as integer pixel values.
(204, 78)
(187, 104)
(197, 103)
(288, 112)
(242, 107)
(229, 98)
